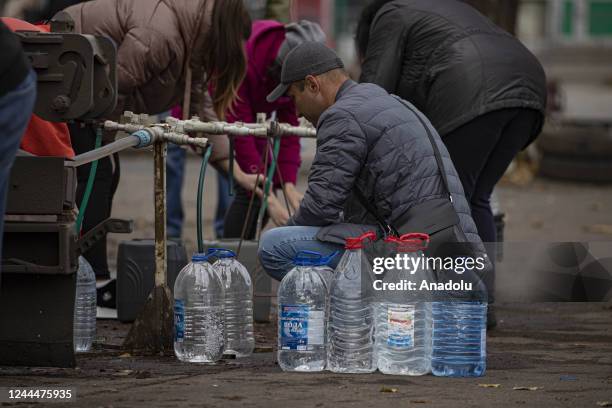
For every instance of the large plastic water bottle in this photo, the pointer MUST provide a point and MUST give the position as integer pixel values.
(302, 302)
(350, 347)
(459, 338)
(326, 272)
(84, 329)
(239, 340)
(403, 320)
(199, 325)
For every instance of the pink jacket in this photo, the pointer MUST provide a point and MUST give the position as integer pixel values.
(262, 48)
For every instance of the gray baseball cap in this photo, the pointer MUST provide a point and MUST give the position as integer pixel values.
(308, 58)
(298, 33)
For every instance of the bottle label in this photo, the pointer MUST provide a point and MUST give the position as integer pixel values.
(300, 327)
(400, 323)
(179, 320)
(483, 343)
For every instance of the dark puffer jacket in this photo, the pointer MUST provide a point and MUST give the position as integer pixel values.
(451, 62)
(369, 139)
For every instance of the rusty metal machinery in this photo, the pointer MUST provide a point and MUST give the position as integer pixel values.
(77, 76)
(76, 81)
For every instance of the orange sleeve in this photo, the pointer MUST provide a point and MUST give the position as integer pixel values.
(44, 138)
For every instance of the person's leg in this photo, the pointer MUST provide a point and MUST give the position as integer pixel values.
(470, 147)
(224, 200)
(116, 177)
(15, 111)
(511, 129)
(175, 176)
(279, 246)
(237, 213)
(514, 136)
(99, 205)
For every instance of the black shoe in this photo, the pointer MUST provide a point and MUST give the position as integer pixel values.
(106, 295)
(491, 318)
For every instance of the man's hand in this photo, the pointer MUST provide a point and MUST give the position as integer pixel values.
(277, 211)
(293, 196)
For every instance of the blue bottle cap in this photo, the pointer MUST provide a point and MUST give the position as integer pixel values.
(312, 258)
(220, 253)
(199, 257)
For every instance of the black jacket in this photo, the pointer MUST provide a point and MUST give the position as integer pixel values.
(13, 65)
(451, 62)
(369, 139)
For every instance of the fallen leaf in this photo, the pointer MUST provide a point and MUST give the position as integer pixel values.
(123, 373)
(388, 389)
(489, 385)
(527, 388)
(125, 355)
(605, 229)
(604, 403)
(596, 206)
(140, 375)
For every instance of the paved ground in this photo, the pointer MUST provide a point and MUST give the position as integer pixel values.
(565, 350)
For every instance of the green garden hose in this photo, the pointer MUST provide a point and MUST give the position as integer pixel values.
(199, 198)
(90, 184)
(267, 186)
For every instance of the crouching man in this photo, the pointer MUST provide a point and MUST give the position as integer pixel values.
(375, 162)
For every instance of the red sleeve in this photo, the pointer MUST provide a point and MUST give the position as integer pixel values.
(44, 138)
(289, 155)
(247, 155)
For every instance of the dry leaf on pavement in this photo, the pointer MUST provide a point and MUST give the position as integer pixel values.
(605, 229)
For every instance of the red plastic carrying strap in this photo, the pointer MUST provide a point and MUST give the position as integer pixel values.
(411, 242)
(357, 243)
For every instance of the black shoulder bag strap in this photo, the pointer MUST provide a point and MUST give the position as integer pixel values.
(382, 223)
(388, 228)
(433, 145)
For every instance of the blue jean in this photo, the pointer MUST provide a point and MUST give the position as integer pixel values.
(224, 201)
(279, 246)
(15, 111)
(175, 178)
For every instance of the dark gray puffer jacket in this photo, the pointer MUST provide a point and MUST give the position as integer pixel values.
(451, 62)
(369, 139)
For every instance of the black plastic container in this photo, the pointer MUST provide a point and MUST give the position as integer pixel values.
(136, 273)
